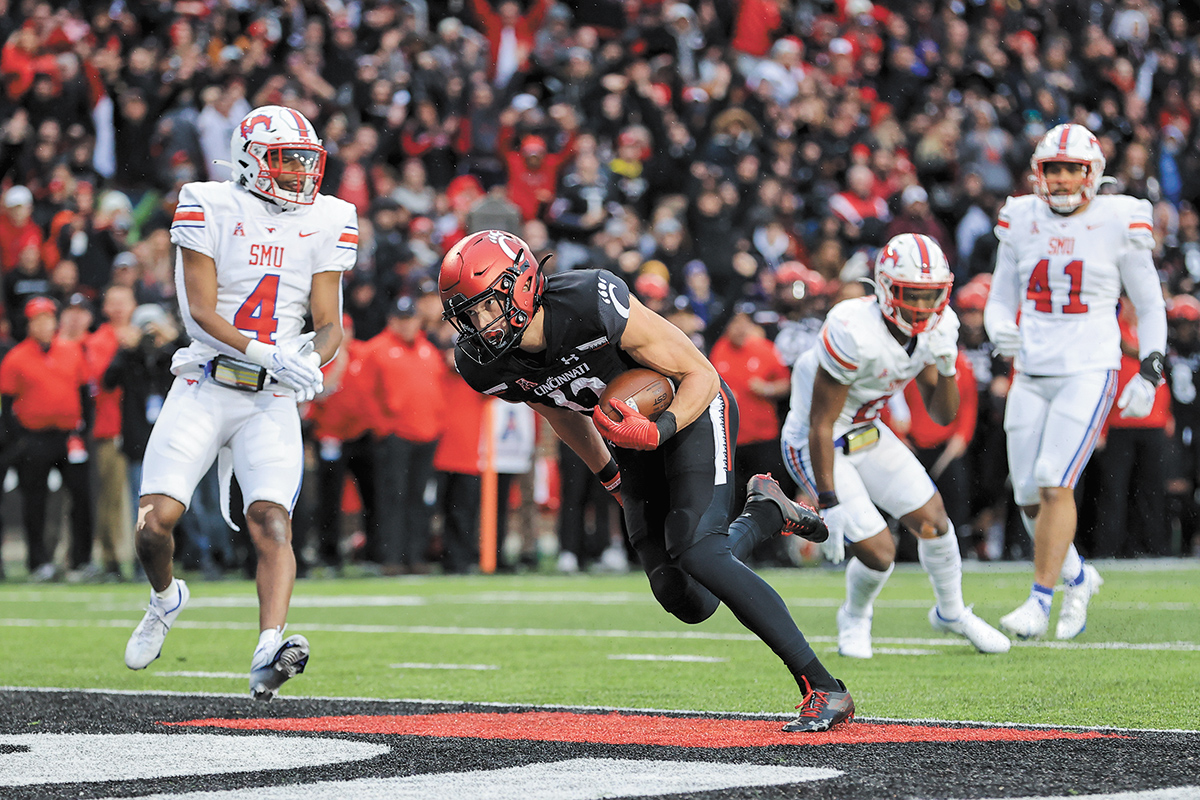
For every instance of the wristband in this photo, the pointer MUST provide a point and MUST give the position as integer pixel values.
(610, 475)
(259, 352)
(666, 425)
(827, 499)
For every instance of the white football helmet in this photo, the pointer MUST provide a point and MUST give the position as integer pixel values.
(1073, 144)
(906, 269)
(268, 137)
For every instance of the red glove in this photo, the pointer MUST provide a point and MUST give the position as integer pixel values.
(634, 431)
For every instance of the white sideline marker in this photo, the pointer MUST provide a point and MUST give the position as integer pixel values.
(680, 658)
(415, 665)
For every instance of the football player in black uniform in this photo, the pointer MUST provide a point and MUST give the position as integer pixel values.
(555, 343)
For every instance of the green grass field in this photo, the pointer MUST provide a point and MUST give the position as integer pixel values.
(584, 640)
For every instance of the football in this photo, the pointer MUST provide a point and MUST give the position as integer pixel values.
(643, 389)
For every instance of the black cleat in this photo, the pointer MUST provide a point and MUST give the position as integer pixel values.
(820, 711)
(797, 517)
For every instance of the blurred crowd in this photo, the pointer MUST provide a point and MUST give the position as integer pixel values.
(738, 162)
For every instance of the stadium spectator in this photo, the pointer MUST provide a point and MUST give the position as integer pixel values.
(114, 517)
(457, 461)
(342, 417)
(405, 374)
(1131, 469)
(510, 36)
(47, 411)
(17, 228)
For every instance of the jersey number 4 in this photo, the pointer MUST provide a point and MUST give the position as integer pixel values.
(1038, 289)
(257, 314)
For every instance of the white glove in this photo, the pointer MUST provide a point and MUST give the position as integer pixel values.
(1007, 340)
(291, 364)
(943, 346)
(1182, 384)
(837, 519)
(1137, 400)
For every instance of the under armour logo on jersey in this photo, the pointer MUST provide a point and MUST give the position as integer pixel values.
(238, 230)
(569, 358)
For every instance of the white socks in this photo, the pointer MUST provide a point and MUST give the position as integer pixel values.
(1072, 568)
(269, 641)
(863, 585)
(169, 595)
(942, 562)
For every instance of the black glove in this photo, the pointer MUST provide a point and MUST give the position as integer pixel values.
(1152, 368)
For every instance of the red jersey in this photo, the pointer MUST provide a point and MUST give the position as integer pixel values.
(14, 239)
(462, 426)
(349, 410)
(99, 348)
(407, 382)
(45, 384)
(924, 432)
(756, 359)
(1160, 413)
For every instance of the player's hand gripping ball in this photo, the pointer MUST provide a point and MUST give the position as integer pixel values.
(629, 406)
(643, 390)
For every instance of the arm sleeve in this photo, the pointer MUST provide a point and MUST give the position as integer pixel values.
(342, 254)
(838, 352)
(1004, 297)
(192, 227)
(1140, 279)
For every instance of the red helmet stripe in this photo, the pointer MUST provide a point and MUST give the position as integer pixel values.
(924, 251)
(300, 124)
(1062, 140)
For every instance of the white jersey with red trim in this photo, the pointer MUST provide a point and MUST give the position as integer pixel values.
(856, 348)
(265, 258)
(1065, 275)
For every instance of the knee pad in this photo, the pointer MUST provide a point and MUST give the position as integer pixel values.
(679, 594)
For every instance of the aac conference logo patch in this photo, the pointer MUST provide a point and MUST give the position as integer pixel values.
(58, 744)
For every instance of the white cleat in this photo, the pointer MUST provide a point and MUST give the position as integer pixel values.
(270, 670)
(1072, 616)
(146, 642)
(984, 637)
(854, 635)
(1029, 621)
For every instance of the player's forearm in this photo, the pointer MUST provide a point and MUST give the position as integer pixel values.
(693, 396)
(943, 406)
(821, 452)
(215, 330)
(578, 433)
(327, 341)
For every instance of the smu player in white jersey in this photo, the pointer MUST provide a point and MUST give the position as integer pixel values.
(255, 254)
(1065, 255)
(835, 447)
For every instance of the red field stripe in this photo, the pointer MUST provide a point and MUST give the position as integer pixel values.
(561, 726)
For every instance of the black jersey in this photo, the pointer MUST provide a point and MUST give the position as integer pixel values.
(584, 313)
